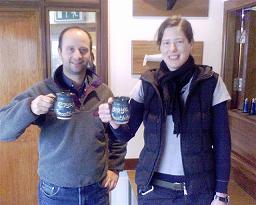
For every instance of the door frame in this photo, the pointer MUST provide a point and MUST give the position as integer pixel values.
(44, 6)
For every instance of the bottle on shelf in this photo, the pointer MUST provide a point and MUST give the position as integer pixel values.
(253, 107)
(246, 106)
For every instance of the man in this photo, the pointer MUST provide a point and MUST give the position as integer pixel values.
(77, 163)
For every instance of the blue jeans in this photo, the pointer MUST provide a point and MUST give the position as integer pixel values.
(163, 196)
(50, 194)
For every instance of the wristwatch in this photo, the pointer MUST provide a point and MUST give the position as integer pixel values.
(223, 199)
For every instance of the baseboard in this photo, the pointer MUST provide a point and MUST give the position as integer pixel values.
(130, 164)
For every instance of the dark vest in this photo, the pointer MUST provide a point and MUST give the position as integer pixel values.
(196, 139)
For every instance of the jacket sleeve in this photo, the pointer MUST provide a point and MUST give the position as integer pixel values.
(17, 116)
(127, 131)
(222, 144)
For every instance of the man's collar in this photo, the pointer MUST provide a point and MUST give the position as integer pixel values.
(91, 79)
(71, 83)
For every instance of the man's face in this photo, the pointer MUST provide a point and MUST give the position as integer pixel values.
(75, 52)
(175, 47)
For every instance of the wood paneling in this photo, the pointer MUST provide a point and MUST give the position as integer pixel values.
(20, 67)
(20, 4)
(21, 52)
(142, 48)
(182, 7)
(139, 50)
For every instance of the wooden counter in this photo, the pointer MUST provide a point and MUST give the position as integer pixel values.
(243, 135)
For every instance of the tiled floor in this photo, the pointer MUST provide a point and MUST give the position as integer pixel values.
(237, 195)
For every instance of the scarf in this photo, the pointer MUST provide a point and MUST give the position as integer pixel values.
(171, 84)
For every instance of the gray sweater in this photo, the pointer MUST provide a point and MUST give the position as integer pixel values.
(72, 153)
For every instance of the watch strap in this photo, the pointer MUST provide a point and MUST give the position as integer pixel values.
(223, 199)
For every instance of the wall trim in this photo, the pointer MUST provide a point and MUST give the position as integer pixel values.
(130, 164)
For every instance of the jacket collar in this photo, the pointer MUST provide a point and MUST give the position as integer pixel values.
(202, 72)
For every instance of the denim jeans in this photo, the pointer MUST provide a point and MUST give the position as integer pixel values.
(163, 196)
(50, 194)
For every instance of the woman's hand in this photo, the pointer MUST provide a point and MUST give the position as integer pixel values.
(105, 113)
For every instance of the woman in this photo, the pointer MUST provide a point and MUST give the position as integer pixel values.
(186, 156)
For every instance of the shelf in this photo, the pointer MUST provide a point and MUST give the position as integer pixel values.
(243, 139)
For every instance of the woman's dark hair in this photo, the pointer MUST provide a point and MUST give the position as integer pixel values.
(76, 28)
(172, 22)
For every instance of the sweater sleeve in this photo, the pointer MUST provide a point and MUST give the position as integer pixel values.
(16, 116)
(222, 146)
(117, 152)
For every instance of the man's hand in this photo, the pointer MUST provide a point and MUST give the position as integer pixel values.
(42, 103)
(110, 180)
(105, 113)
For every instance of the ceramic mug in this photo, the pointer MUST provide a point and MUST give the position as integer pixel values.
(120, 110)
(64, 105)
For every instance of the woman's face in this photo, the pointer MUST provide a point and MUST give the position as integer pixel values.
(175, 47)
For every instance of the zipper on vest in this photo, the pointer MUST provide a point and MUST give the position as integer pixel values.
(158, 154)
(160, 122)
(182, 159)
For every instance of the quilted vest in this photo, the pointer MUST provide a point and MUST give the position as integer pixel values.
(196, 140)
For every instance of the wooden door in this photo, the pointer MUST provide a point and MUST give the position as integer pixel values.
(250, 56)
(20, 66)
